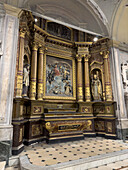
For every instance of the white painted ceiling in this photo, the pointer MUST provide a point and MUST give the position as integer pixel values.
(94, 15)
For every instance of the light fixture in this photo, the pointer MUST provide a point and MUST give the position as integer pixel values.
(36, 19)
(95, 39)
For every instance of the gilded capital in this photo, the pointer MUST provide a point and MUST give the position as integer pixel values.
(86, 57)
(105, 54)
(41, 50)
(34, 46)
(22, 33)
(79, 57)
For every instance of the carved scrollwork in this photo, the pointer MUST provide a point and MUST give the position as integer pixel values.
(87, 125)
(49, 127)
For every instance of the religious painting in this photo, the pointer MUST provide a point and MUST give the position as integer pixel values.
(59, 30)
(59, 77)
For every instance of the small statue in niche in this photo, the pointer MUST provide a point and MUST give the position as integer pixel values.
(96, 87)
(26, 80)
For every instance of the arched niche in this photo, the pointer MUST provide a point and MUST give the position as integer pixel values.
(26, 60)
(96, 85)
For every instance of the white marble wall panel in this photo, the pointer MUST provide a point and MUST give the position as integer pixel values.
(7, 74)
(117, 85)
(123, 56)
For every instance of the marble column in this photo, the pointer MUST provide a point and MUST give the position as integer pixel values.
(79, 79)
(33, 72)
(40, 75)
(108, 88)
(87, 80)
(20, 65)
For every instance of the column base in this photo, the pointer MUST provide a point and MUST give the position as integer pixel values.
(80, 100)
(32, 98)
(18, 97)
(6, 132)
(88, 100)
(17, 150)
(122, 129)
(40, 99)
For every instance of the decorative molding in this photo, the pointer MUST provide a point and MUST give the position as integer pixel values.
(2, 10)
(12, 10)
(1, 52)
(119, 45)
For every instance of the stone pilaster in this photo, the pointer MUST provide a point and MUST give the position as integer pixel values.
(108, 88)
(40, 75)
(86, 77)
(79, 79)
(33, 72)
(9, 28)
(20, 66)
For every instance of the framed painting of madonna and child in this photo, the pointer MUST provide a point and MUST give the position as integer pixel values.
(59, 77)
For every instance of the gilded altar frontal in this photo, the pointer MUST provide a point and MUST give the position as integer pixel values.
(63, 88)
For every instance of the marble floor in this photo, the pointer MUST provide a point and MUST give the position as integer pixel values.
(48, 154)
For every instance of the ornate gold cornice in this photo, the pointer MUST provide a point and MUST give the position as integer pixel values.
(83, 51)
(83, 44)
(40, 31)
(27, 14)
(41, 34)
(58, 41)
(101, 41)
(39, 39)
(101, 45)
(26, 22)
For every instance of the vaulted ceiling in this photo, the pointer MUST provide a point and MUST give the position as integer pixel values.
(105, 17)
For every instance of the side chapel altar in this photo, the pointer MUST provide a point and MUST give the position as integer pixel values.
(63, 87)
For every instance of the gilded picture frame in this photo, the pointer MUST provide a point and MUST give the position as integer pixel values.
(59, 77)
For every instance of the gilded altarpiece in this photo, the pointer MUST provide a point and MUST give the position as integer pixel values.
(62, 89)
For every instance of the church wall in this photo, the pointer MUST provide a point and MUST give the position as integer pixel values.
(118, 67)
(9, 33)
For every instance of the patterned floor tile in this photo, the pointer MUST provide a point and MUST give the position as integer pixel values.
(48, 154)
